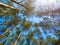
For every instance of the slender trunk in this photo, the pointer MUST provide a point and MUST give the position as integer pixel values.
(17, 39)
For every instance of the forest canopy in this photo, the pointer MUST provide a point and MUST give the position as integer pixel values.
(29, 22)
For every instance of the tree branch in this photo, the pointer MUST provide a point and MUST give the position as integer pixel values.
(50, 11)
(19, 3)
(7, 6)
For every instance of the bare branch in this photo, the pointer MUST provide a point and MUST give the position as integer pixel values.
(19, 3)
(2, 35)
(5, 5)
(3, 11)
(5, 32)
(50, 11)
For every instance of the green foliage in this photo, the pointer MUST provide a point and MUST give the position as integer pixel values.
(51, 39)
(26, 25)
(42, 24)
(36, 24)
(1, 36)
(1, 43)
(58, 31)
(30, 35)
(59, 23)
(35, 41)
(57, 42)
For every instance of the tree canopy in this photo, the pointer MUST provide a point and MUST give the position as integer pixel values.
(21, 24)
